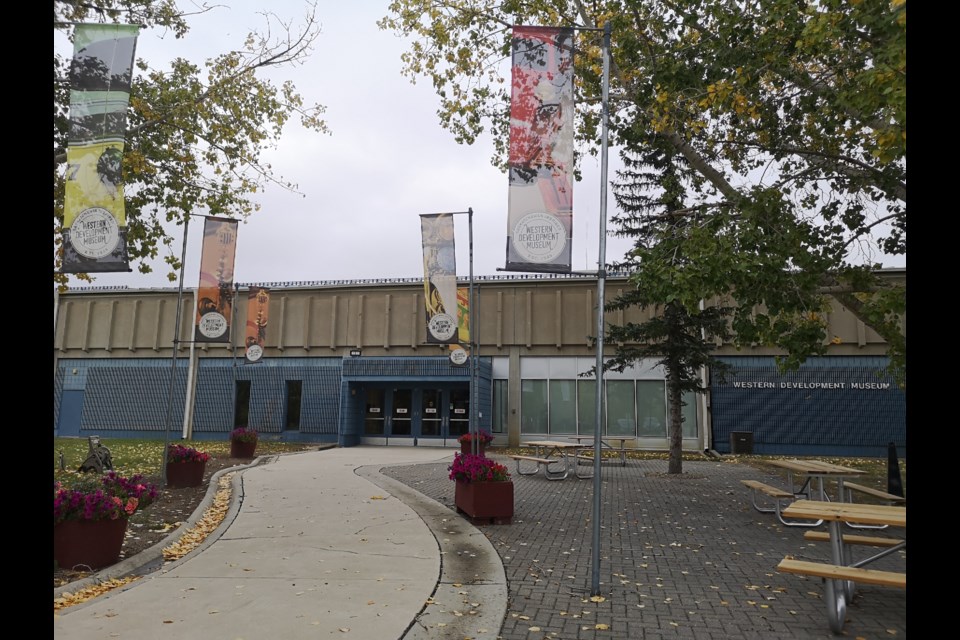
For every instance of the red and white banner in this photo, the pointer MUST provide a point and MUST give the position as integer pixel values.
(215, 292)
(258, 306)
(540, 210)
(439, 277)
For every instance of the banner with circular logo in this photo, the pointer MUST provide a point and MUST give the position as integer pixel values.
(215, 292)
(540, 207)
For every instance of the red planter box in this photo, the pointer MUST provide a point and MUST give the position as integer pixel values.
(242, 449)
(88, 543)
(185, 474)
(485, 502)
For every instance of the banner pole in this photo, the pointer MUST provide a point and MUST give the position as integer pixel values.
(233, 340)
(173, 364)
(601, 278)
(474, 427)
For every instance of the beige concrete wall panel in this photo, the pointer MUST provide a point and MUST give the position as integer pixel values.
(63, 321)
(294, 311)
(145, 324)
(414, 321)
(307, 323)
(281, 323)
(590, 317)
(538, 317)
(387, 308)
(187, 319)
(70, 329)
(558, 319)
(87, 324)
(158, 324)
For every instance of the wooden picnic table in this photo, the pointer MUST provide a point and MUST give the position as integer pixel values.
(842, 574)
(549, 452)
(815, 471)
(586, 443)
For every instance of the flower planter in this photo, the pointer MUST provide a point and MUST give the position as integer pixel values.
(88, 543)
(242, 449)
(465, 448)
(185, 474)
(485, 502)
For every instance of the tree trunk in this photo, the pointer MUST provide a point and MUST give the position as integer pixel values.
(675, 409)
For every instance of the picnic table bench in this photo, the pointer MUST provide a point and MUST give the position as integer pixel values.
(889, 498)
(777, 494)
(543, 464)
(841, 574)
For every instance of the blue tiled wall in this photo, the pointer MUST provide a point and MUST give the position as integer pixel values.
(319, 408)
(809, 419)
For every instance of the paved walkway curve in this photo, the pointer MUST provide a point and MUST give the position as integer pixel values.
(316, 544)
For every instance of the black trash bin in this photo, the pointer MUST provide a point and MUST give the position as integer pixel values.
(741, 442)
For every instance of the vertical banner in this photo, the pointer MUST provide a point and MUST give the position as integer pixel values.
(94, 220)
(540, 209)
(458, 355)
(258, 304)
(463, 314)
(215, 292)
(439, 277)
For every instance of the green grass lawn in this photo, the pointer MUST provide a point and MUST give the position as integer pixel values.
(131, 456)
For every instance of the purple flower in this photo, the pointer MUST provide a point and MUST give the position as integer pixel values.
(106, 498)
(470, 468)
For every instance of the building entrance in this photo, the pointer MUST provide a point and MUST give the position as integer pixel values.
(433, 412)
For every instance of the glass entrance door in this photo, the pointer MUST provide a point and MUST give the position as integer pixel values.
(431, 413)
(374, 422)
(401, 416)
(438, 411)
(459, 412)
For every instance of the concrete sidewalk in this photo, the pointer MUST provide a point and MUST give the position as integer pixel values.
(318, 544)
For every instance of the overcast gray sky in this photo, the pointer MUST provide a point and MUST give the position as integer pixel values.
(364, 186)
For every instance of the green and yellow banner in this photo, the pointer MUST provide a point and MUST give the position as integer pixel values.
(95, 225)
(439, 277)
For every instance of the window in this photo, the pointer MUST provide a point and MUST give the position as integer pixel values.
(563, 406)
(690, 414)
(651, 409)
(241, 407)
(533, 406)
(621, 420)
(500, 397)
(294, 391)
(587, 406)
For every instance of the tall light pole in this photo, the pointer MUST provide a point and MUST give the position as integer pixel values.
(601, 281)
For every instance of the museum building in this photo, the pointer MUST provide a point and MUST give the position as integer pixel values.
(348, 362)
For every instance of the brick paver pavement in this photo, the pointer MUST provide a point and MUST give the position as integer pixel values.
(681, 557)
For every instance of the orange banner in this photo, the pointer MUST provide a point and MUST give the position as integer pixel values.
(215, 292)
(258, 303)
